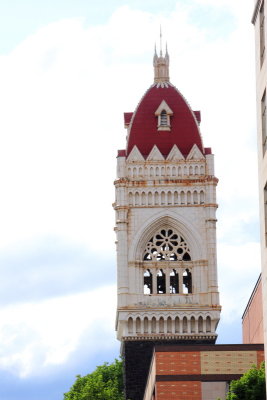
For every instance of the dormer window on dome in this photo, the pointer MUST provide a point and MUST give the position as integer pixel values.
(163, 118)
(164, 113)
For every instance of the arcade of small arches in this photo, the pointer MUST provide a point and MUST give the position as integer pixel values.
(174, 171)
(163, 198)
(169, 325)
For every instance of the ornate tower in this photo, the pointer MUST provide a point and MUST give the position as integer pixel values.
(166, 229)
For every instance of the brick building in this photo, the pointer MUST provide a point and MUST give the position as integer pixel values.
(252, 319)
(198, 372)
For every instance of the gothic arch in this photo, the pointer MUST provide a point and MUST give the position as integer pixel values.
(171, 220)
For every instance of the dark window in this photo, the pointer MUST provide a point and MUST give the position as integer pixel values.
(163, 118)
(187, 282)
(147, 282)
(161, 282)
(174, 282)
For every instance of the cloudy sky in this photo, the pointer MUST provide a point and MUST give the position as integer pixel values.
(68, 71)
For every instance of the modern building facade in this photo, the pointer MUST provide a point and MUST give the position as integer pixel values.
(166, 230)
(258, 19)
(198, 372)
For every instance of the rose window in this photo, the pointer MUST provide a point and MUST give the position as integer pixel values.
(167, 245)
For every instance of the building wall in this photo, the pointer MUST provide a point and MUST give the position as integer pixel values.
(198, 372)
(259, 21)
(252, 320)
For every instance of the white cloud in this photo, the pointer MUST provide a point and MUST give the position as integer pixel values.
(36, 336)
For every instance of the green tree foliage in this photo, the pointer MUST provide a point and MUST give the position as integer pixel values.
(105, 383)
(251, 386)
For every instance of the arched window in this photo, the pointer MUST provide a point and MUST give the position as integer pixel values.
(184, 325)
(153, 325)
(143, 198)
(161, 325)
(163, 118)
(138, 325)
(169, 325)
(136, 199)
(200, 324)
(192, 325)
(167, 245)
(145, 325)
(177, 325)
(161, 282)
(187, 282)
(156, 197)
(130, 325)
(182, 197)
(208, 324)
(147, 282)
(174, 282)
(149, 198)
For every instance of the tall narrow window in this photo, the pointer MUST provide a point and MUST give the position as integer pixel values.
(147, 282)
(169, 325)
(187, 282)
(161, 282)
(130, 325)
(163, 118)
(200, 325)
(153, 325)
(138, 325)
(184, 325)
(193, 325)
(161, 325)
(174, 282)
(208, 324)
(262, 34)
(263, 123)
(145, 325)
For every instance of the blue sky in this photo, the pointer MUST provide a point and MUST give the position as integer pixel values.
(68, 71)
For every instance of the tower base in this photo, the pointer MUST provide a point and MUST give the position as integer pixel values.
(137, 357)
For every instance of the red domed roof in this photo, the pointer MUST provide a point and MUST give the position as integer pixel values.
(143, 129)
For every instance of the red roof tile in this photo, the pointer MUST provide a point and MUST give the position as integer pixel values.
(184, 127)
(121, 153)
(127, 118)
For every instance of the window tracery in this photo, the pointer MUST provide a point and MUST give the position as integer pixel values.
(166, 245)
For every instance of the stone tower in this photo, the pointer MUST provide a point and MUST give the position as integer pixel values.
(166, 229)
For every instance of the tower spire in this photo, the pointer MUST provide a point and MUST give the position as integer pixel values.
(161, 64)
(160, 38)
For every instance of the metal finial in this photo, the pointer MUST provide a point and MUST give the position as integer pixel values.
(160, 36)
